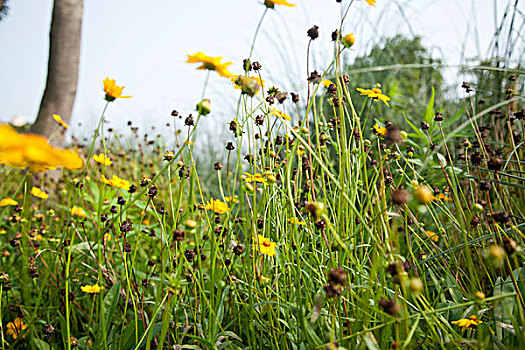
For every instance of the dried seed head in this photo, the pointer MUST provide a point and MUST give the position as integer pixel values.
(313, 32)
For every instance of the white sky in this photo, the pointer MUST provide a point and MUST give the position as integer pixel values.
(144, 45)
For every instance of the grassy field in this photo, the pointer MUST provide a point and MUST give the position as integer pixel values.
(359, 216)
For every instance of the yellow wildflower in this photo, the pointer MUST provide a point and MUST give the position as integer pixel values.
(280, 114)
(235, 81)
(257, 177)
(112, 90)
(7, 201)
(59, 120)
(468, 323)
(116, 181)
(296, 221)
(264, 245)
(271, 3)
(217, 206)
(432, 235)
(211, 63)
(371, 2)
(231, 199)
(375, 94)
(37, 192)
(91, 289)
(326, 83)
(107, 237)
(15, 328)
(442, 197)
(102, 159)
(34, 152)
(78, 212)
(379, 130)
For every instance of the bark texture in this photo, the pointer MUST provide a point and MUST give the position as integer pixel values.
(62, 71)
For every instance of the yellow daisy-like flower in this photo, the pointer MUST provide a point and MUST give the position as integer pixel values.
(264, 245)
(107, 237)
(33, 152)
(468, 323)
(256, 79)
(217, 206)
(257, 177)
(296, 221)
(231, 199)
(102, 159)
(211, 63)
(37, 192)
(7, 201)
(271, 3)
(91, 289)
(78, 212)
(379, 130)
(15, 328)
(280, 114)
(375, 94)
(371, 2)
(432, 235)
(59, 120)
(116, 181)
(326, 83)
(112, 90)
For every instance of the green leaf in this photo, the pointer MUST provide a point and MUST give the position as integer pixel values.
(430, 108)
(41, 345)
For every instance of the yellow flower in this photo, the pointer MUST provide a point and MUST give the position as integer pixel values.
(91, 289)
(248, 85)
(271, 3)
(15, 328)
(37, 192)
(60, 121)
(326, 83)
(468, 323)
(102, 159)
(116, 181)
(231, 199)
(349, 40)
(375, 94)
(379, 130)
(264, 245)
(217, 206)
(296, 221)
(112, 90)
(432, 235)
(371, 2)
(34, 152)
(78, 212)
(211, 63)
(280, 114)
(107, 237)
(256, 79)
(441, 196)
(7, 201)
(257, 177)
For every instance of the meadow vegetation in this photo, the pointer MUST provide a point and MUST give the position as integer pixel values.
(374, 212)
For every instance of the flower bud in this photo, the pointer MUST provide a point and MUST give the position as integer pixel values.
(203, 107)
(349, 40)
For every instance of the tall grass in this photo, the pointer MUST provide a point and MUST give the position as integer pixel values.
(336, 234)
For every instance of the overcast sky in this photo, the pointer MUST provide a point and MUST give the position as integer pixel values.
(144, 45)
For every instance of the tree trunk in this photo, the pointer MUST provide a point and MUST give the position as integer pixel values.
(62, 71)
